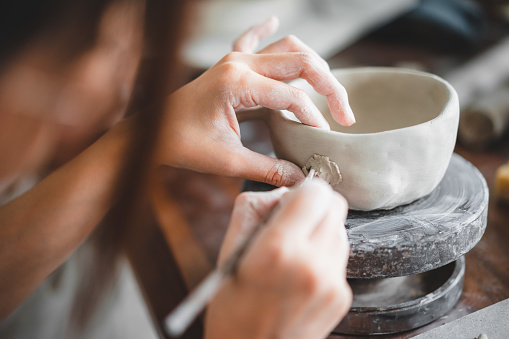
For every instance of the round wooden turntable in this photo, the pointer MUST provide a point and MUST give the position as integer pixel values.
(406, 265)
(426, 234)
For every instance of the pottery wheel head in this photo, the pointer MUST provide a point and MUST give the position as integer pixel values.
(325, 169)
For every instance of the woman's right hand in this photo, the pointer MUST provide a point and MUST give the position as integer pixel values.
(291, 282)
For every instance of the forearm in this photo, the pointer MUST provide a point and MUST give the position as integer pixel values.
(41, 228)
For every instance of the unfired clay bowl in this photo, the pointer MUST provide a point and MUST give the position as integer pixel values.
(399, 148)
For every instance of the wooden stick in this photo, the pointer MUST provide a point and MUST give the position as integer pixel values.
(181, 317)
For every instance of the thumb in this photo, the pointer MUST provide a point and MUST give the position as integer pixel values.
(259, 167)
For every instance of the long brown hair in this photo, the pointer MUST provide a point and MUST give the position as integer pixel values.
(160, 74)
(72, 27)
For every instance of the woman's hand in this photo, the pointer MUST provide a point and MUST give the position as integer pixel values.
(291, 282)
(202, 132)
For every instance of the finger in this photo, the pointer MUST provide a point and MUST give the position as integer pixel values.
(262, 168)
(274, 94)
(249, 210)
(291, 43)
(326, 309)
(290, 66)
(331, 232)
(249, 40)
(302, 209)
(334, 221)
(251, 207)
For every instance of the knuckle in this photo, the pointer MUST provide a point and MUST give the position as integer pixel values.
(333, 295)
(312, 63)
(230, 57)
(229, 69)
(339, 292)
(245, 199)
(228, 75)
(341, 91)
(274, 251)
(292, 40)
(310, 282)
(300, 95)
(307, 59)
(340, 199)
(338, 297)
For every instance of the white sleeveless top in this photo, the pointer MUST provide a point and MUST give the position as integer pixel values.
(45, 313)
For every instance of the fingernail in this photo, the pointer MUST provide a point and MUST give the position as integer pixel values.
(285, 173)
(350, 114)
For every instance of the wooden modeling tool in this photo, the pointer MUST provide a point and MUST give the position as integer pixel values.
(184, 314)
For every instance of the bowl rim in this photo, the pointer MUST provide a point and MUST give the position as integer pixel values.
(452, 97)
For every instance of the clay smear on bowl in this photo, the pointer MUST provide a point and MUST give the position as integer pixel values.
(325, 169)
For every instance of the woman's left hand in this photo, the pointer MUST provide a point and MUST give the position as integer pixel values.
(201, 131)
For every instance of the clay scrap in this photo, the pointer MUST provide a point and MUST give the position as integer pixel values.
(325, 169)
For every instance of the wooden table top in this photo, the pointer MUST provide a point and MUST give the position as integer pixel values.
(192, 212)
